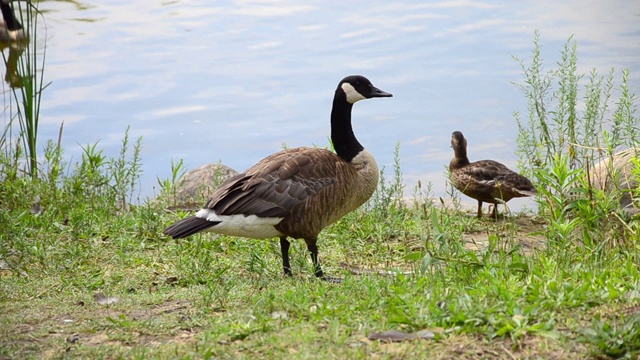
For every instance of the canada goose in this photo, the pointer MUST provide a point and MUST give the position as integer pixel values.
(10, 28)
(296, 192)
(485, 180)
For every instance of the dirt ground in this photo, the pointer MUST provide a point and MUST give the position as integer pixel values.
(527, 231)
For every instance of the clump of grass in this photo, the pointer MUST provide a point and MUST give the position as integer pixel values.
(615, 339)
(389, 192)
(39, 214)
(167, 187)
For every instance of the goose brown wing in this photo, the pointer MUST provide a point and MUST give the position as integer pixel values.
(277, 184)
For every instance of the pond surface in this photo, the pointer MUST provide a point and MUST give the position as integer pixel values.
(232, 81)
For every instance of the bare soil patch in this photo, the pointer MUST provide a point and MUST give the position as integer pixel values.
(527, 231)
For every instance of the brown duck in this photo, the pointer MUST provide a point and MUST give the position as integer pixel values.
(296, 192)
(485, 180)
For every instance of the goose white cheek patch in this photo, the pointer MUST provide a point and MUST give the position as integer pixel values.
(352, 94)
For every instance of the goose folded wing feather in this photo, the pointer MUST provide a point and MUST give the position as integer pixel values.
(273, 188)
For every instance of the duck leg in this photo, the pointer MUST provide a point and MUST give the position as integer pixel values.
(313, 249)
(495, 211)
(284, 248)
(479, 209)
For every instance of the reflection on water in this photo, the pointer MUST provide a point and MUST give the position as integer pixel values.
(233, 81)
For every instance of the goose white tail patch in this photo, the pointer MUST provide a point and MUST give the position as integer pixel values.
(250, 226)
(352, 94)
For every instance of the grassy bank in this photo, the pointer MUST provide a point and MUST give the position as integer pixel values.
(84, 273)
(483, 288)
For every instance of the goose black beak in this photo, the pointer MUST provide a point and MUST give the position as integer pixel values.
(375, 92)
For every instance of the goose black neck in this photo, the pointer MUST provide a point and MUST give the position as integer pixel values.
(10, 21)
(344, 141)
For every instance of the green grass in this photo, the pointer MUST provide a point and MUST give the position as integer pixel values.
(224, 297)
(560, 284)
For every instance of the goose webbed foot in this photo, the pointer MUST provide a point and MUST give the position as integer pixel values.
(320, 275)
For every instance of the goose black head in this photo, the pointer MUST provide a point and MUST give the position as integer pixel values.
(358, 87)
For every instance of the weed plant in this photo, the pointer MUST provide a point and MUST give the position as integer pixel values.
(567, 133)
(561, 123)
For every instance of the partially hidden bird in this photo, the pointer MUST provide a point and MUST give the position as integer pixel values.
(10, 28)
(296, 192)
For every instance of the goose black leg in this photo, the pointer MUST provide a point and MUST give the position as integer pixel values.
(284, 248)
(479, 209)
(313, 249)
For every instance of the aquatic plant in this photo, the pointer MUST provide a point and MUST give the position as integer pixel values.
(26, 85)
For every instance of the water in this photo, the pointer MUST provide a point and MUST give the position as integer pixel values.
(234, 81)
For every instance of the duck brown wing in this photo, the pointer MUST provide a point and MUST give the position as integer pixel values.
(493, 173)
(516, 183)
(485, 170)
(277, 184)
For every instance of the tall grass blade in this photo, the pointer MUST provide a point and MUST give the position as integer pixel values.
(27, 83)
